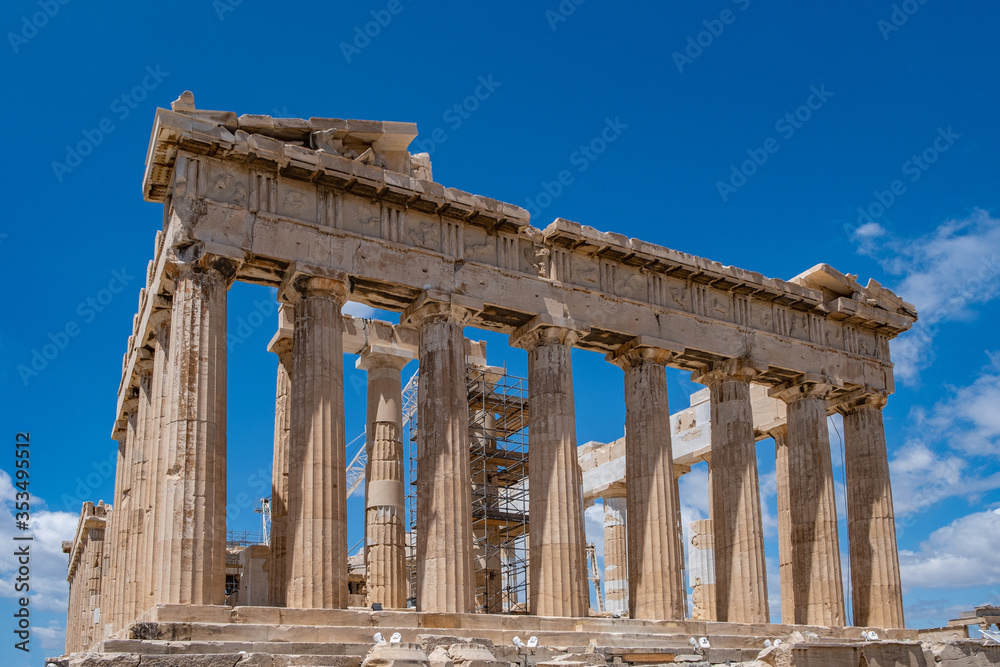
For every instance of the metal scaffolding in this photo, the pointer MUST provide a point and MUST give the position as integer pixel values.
(498, 457)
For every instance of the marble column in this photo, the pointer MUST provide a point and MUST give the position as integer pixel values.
(192, 495)
(817, 588)
(316, 523)
(701, 570)
(740, 575)
(785, 569)
(445, 581)
(160, 324)
(95, 580)
(871, 522)
(655, 557)
(135, 600)
(111, 558)
(73, 623)
(616, 573)
(121, 545)
(557, 542)
(281, 345)
(385, 492)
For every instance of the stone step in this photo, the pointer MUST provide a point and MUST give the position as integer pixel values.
(251, 633)
(201, 660)
(157, 647)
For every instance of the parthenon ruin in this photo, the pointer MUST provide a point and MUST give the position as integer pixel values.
(329, 210)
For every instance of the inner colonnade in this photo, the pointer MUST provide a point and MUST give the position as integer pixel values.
(328, 210)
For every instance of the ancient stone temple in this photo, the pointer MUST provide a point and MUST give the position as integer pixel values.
(329, 210)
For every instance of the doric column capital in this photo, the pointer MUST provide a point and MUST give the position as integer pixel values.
(384, 356)
(159, 316)
(548, 330)
(778, 432)
(281, 343)
(645, 350)
(130, 407)
(808, 385)
(144, 362)
(859, 399)
(199, 258)
(436, 306)
(727, 370)
(302, 280)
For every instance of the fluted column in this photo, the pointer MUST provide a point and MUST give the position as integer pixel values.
(281, 345)
(785, 568)
(655, 556)
(445, 580)
(557, 542)
(160, 322)
(317, 488)
(95, 580)
(385, 492)
(817, 589)
(120, 518)
(740, 575)
(616, 573)
(139, 569)
(193, 490)
(111, 558)
(73, 632)
(701, 570)
(871, 522)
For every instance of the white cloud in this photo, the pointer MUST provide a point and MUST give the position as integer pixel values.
(840, 496)
(922, 477)
(773, 573)
(52, 636)
(969, 418)
(961, 554)
(48, 563)
(594, 525)
(769, 498)
(944, 274)
(358, 310)
(694, 494)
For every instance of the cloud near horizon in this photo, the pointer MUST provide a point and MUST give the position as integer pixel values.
(945, 274)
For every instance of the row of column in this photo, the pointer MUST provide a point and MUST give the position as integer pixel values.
(86, 578)
(652, 553)
(727, 568)
(167, 529)
(174, 452)
(810, 569)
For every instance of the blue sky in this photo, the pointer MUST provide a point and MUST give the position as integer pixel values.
(846, 107)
